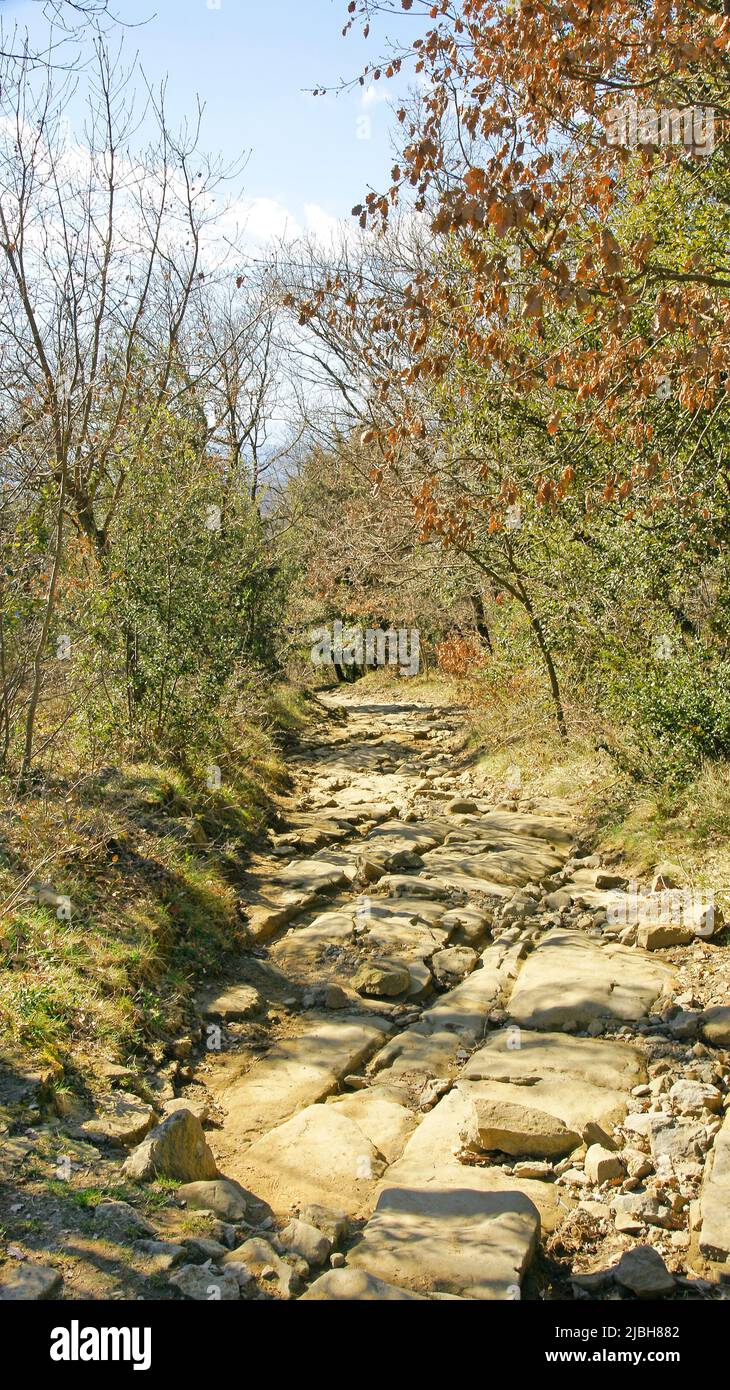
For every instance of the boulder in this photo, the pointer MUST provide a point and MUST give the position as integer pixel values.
(174, 1149)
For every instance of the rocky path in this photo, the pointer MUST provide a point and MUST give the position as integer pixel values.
(446, 1067)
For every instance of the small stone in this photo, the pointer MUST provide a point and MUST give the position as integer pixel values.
(28, 1282)
(160, 1256)
(337, 1259)
(601, 1165)
(302, 1239)
(122, 1119)
(516, 1129)
(239, 1272)
(453, 964)
(119, 1220)
(201, 1250)
(461, 807)
(638, 1164)
(655, 936)
(715, 1025)
(605, 879)
(332, 1224)
(593, 1133)
(534, 1169)
(667, 875)
(198, 1283)
(643, 1271)
(335, 997)
(262, 1262)
(695, 1097)
(380, 977)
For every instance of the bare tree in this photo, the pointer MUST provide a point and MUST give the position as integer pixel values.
(102, 248)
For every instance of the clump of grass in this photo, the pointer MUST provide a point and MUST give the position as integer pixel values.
(149, 856)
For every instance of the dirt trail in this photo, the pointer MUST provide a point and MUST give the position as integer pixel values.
(466, 1048)
(447, 1066)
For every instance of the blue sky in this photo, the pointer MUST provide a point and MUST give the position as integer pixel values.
(250, 61)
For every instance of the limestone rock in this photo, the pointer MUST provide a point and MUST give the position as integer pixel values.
(175, 1149)
(299, 1071)
(332, 1224)
(517, 1130)
(715, 1025)
(715, 1199)
(320, 1155)
(27, 1282)
(198, 1283)
(571, 980)
(456, 1240)
(224, 1197)
(354, 1285)
(382, 1116)
(231, 1003)
(262, 1262)
(461, 807)
(199, 1108)
(381, 978)
(655, 936)
(453, 964)
(695, 1097)
(124, 1119)
(601, 1165)
(674, 1142)
(302, 1239)
(643, 1271)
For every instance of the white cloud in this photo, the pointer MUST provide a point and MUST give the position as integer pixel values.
(321, 224)
(265, 219)
(374, 93)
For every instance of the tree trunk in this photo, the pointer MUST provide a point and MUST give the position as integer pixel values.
(41, 645)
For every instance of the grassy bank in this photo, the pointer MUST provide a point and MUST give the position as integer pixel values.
(118, 892)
